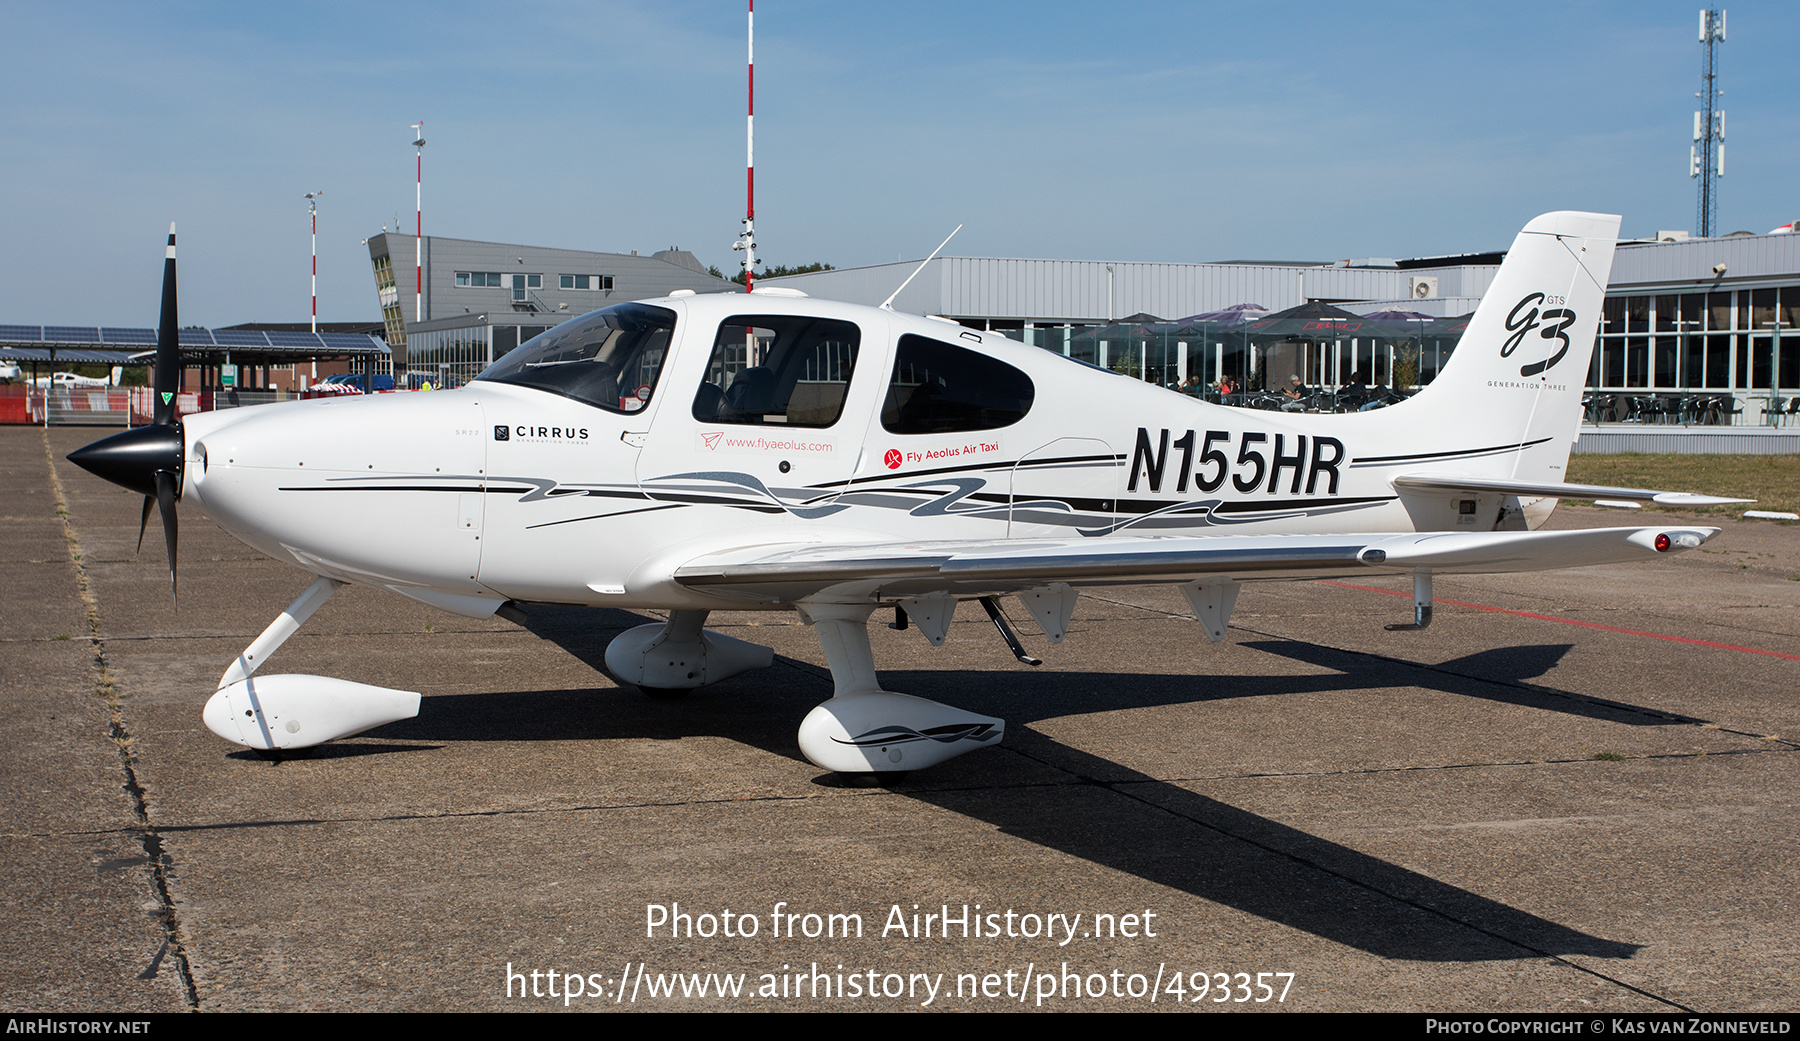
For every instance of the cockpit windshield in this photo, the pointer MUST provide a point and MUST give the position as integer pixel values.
(610, 358)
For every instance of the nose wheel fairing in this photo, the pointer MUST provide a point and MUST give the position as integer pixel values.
(283, 712)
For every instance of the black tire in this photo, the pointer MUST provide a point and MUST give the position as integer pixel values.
(667, 693)
(883, 779)
(276, 755)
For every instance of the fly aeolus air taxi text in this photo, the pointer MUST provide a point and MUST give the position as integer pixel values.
(775, 452)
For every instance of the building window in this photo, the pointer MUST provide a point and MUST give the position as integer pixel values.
(601, 282)
(478, 278)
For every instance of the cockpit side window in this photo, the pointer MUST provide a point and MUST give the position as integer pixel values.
(611, 358)
(940, 388)
(788, 369)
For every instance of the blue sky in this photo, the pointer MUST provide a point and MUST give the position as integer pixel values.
(1150, 131)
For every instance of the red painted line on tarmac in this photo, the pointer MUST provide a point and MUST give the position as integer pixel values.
(1573, 621)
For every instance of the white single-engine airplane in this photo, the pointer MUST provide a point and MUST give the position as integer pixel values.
(76, 381)
(774, 452)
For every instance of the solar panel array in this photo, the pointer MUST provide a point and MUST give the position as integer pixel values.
(231, 339)
(349, 341)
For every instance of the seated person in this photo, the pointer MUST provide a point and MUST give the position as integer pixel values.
(1295, 393)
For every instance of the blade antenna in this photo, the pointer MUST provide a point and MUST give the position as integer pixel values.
(888, 304)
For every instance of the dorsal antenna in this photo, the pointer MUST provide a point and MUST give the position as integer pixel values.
(888, 304)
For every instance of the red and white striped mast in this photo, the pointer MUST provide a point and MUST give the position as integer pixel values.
(419, 229)
(312, 209)
(748, 242)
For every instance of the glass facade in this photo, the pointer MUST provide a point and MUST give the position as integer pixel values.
(1199, 356)
(1709, 357)
(453, 357)
(1722, 357)
(389, 294)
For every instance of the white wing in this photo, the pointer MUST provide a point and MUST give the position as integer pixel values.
(893, 571)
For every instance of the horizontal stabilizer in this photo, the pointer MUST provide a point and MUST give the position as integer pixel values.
(1554, 490)
(1498, 552)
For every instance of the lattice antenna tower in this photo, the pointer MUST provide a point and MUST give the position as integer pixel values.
(1706, 159)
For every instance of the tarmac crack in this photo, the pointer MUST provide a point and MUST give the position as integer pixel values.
(148, 838)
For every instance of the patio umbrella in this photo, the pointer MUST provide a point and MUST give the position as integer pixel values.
(1316, 320)
(1236, 314)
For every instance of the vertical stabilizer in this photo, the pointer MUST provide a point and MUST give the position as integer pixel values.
(1518, 373)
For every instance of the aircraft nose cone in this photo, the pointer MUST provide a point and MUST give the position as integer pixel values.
(132, 459)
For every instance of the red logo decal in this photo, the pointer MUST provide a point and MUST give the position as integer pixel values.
(892, 459)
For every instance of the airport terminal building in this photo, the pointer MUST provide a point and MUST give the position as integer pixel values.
(1688, 323)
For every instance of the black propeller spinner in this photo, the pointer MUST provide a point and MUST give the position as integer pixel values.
(148, 459)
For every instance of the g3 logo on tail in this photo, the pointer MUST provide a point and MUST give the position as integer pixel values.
(1558, 319)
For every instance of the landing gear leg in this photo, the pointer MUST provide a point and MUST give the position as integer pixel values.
(1421, 604)
(866, 730)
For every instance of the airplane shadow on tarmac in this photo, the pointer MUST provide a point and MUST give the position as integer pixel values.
(1101, 812)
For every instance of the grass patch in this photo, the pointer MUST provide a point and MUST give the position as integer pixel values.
(1772, 480)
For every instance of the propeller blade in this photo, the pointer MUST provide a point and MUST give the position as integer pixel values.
(144, 521)
(149, 459)
(165, 504)
(168, 343)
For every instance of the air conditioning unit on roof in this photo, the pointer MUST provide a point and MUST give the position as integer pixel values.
(1422, 287)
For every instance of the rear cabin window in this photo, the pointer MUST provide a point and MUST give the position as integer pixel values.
(940, 388)
(790, 370)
